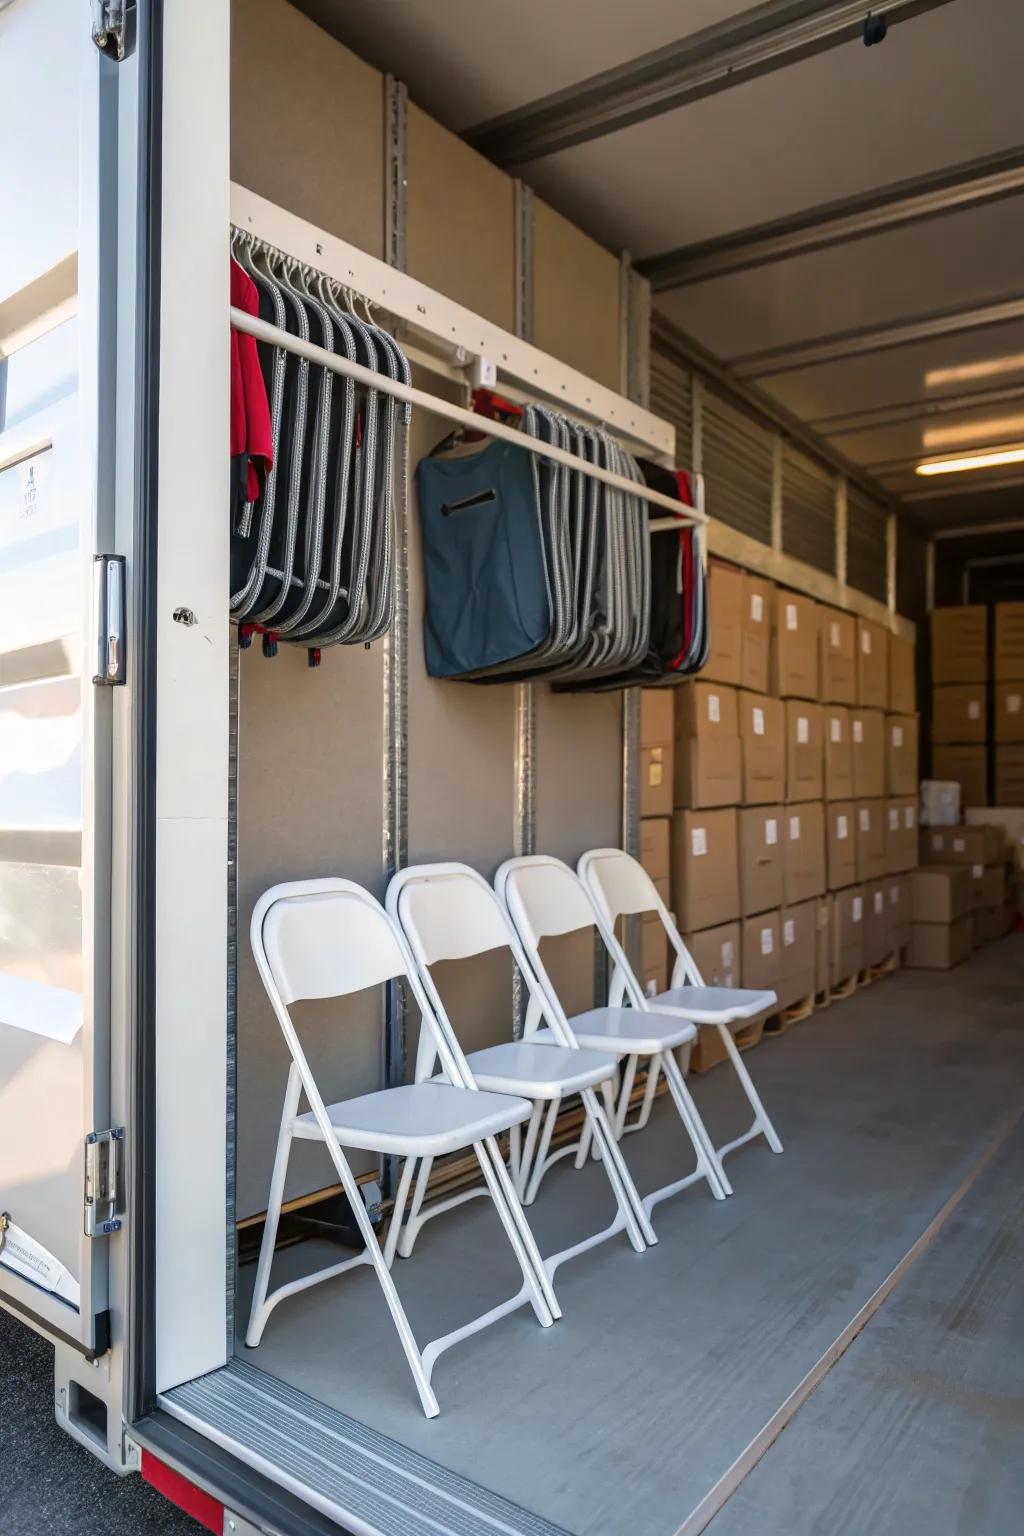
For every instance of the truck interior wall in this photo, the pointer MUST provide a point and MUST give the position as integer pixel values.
(311, 741)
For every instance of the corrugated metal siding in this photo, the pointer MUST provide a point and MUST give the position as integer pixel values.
(910, 573)
(736, 457)
(865, 543)
(808, 510)
(672, 399)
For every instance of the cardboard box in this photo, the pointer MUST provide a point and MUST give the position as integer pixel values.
(716, 954)
(901, 834)
(877, 939)
(756, 630)
(1009, 776)
(725, 606)
(870, 839)
(657, 733)
(705, 868)
(966, 766)
(655, 852)
(995, 922)
(799, 927)
(760, 841)
(794, 672)
(1010, 820)
(902, 676)
(1009, 712)
(898, 905)
(847, 933)
(803, 851)
(901, 755)
(762, 748)
(762, 946)
(939, 946)
(837, 632)
(823, 977)
(838, 753)
(867, 737)
(654, 956)
(977, 844)
(805, 756)
(960, 644)
(1008, 650)
(959, 712)
(989, 885)
(940, 893)
(707, 746)
(841, 843)
(872, 665)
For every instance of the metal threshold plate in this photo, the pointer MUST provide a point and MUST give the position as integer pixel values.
(368, 1483)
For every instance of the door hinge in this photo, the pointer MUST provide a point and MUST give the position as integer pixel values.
(104, 1182)
(111, 613)
(110, 20)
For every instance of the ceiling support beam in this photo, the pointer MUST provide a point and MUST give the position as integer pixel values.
(903, 411)
(977, 529)
(765, 38)
(837, 223)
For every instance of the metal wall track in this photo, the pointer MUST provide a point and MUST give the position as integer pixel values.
(366, 1481)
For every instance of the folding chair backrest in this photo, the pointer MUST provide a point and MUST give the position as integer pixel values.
(546, 899)
(621, 887)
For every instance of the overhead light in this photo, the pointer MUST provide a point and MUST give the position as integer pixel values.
(967, 433)
(972, 461)
(989, 368)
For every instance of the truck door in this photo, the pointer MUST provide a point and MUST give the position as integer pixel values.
(67, 123)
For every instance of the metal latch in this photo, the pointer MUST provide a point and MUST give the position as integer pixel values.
(111, 610)
(110, 27)
(104, 1182)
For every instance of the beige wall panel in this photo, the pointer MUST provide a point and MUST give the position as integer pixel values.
(579, 772)
(309, 804)
(459, 221)
(576, 297)
(307, 122)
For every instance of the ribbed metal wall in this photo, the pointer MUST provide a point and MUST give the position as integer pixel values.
(808, 510)
(865, 543)
(736, 459)
(672, 399)
(911, 554)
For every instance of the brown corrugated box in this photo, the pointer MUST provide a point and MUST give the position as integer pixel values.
(760, 850)
(841, 841)
(940, 893)
(877, 940)
(762, 944)
(838, 651)
(762, 748)
(1009, 642)
(872, 665)
(870, 839)
(725, 599)
(867, 735)
(847, 932)
(898, 905)
(756, 626)
(656, 852)
(900, 834)
(805, 755)
(939, 946)
(794, 672)
(960, 644)
(1010, 821)
(707, 746)
(799, 927)
(705, 868)
(824, 978)
(966, 766)
(716, 953)
(902, 676)
(803, 851)
(994, 922)
(959, 712)
(1009, 775)
(657, 732)
(978, 844)
(1009, 712)
(901, 755)
(838, 753)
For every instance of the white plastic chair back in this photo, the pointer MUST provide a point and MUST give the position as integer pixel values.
(621, 887)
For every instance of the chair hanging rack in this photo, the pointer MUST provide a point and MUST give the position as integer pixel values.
(272, 335)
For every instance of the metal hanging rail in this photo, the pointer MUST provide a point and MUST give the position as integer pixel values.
(275, 337)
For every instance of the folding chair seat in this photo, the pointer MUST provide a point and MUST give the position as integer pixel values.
(545, 899)
(449, 912)
(329, 939)
(620, 887)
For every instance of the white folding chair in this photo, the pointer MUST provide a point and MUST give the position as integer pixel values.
(328, 939)
(544, 899)
(620, 886)
(449, 912)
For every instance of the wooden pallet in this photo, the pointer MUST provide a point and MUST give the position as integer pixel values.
(843, 989)
(886, 967)
(778, 1023)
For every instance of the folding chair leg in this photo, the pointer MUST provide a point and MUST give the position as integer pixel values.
(401, 1196)
(526, 1161)
(762, 1124)
(625, 1094)
(539, 1288)
(259, 1311)
(707, 1157)
(412, 1221)
(627, 1195)
(650, 1088)
(542, 1152)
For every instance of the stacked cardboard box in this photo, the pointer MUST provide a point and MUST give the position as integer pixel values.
(1009, 704)
(959, 648)
(983, 851)
(657, 751)
(940, 922)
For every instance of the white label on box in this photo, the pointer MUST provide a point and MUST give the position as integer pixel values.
(897, 735)
(1013, 703)
(791, 615)
(973, 709)
(894, 818)
(894, 895)
(698, 841)
(865, 641)
(858, 908)
(714, 708)
(879, 903)
(977, 871)
(789, 931)
(865, 819)
(842, 828)
(767, 941)
(803, 730)
(835, 632)
(858, 730)
(836, 728)
(937, 842)
(758, 716)
(908, 817)
(958, 845)
(654, 775)
(771, 831)
(728, 952)
(756, 607)
(794, 829)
